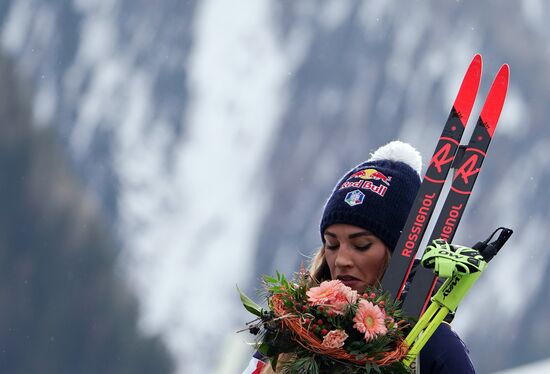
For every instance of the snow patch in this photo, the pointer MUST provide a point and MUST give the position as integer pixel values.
(206, 206)
(515, 116)
(18, 23)
(45, 103)
(334, 13)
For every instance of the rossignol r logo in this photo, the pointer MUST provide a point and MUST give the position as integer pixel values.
(442, 157)
(441, 160)
(466, 174)
(468, 169)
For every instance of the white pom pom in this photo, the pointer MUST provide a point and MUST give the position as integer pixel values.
(399, 151)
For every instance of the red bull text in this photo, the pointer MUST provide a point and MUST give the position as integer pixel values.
(367, 176)
(367, 185)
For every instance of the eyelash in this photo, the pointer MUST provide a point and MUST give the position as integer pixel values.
(361, 248)
(364, 247)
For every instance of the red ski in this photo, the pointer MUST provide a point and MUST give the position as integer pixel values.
(430, 189)
(467, 170)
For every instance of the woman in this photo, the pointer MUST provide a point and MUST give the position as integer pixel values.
(360, 226)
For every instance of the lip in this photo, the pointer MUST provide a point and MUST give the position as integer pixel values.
(346, 277)
(348, 280)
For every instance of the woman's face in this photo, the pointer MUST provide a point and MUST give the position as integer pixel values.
(354, 255)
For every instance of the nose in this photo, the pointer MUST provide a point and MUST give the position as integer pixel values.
(343, 257)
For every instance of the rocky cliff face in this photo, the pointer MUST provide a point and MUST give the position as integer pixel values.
(65, 306)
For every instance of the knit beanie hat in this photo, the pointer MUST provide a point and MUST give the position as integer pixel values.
(377, 194)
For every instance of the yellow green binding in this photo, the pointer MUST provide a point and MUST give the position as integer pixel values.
(462, 266)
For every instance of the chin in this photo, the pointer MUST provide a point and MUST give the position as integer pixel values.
(360, 288)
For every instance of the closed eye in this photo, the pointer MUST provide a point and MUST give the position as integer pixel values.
(363, 247)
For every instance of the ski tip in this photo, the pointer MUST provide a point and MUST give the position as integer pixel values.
(467, 93)
(477, 60)
(505, 71)
(476, 67)
(502, 77)
(495, 100)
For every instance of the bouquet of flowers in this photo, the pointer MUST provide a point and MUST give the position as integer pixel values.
(328, 327)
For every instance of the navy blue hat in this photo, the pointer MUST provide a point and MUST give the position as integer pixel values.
(377, 194)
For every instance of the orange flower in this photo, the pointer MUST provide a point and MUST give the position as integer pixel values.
(333, 294)
(369, 320)
(334, 339)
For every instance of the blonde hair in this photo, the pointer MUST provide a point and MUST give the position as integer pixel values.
(320, 272)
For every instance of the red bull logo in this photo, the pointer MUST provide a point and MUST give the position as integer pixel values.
(371, 174)
(366, 178)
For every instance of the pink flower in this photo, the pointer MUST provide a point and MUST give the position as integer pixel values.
(390, 321)
(369, 320)
(333, 294)
(334, 339)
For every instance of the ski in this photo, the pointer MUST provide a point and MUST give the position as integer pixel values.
(467, 170)
(405, 251)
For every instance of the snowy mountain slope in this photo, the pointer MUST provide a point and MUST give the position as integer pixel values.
(213, 131)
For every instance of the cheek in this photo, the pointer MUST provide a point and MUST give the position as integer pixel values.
(373, 264)
(330, 259)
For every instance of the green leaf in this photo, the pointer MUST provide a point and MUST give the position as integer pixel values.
(269, 279)
(250, 305)
(264, 349)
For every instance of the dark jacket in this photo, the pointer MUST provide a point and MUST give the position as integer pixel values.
(445, 353)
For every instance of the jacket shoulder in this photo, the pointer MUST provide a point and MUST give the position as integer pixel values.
(446, 353)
